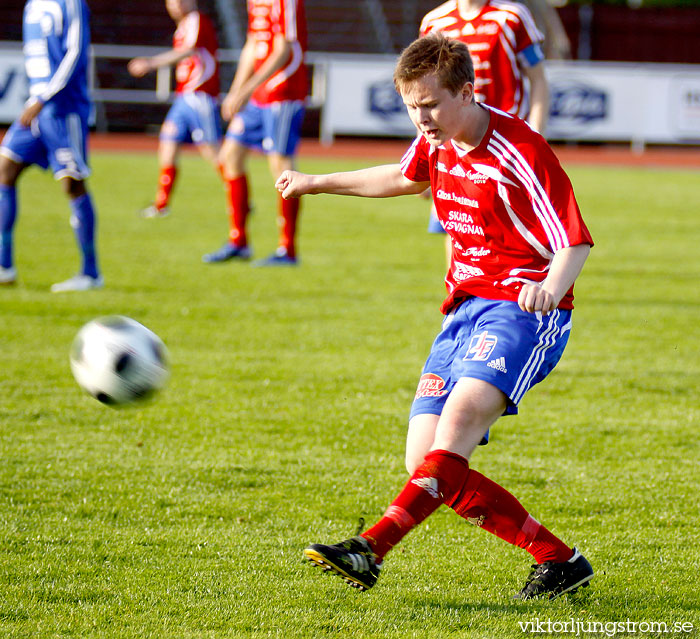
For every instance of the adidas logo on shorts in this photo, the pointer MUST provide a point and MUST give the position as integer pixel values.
(498, 364)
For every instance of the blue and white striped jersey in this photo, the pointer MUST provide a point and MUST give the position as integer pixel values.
(56, 37)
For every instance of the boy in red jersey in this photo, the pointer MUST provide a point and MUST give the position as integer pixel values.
(506, 49)
(194, 115)
(519, 243)
(265, 105)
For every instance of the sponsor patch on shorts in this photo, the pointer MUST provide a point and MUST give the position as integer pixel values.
(430, 385)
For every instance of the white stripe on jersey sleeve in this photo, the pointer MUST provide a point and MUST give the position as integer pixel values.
(409, 155)
(538, 206)
(540, 194)
(520, 227)
(52, 7)
(288, 70)
(518, 274)
(290, 19)
(437, 14)
(191, 30)
(524, 15)
(74, 37)
(513, 159)
(501, 112)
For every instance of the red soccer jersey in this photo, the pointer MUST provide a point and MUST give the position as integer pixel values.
(266, 19)
(200, 71)
(507, 205)
(496, 38)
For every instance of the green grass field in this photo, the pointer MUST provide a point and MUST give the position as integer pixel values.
(285, 416)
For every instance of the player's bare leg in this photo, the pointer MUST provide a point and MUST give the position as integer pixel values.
(73, 188)
(419, 439)
(210, 152)
(10, 171)
(471, 409)
(232, 158)
(278, 163)
(168, 152)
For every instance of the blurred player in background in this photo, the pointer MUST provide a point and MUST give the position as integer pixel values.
(506, 48)
(556, 41)
(194, 115)
(519, 244)
(265, 105)
(52, 129)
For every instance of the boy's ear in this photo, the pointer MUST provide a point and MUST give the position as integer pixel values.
(468, 92)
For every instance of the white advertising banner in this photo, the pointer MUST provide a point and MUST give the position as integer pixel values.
(605, 101)
(13, 84)
(361, 99)
(590, 101)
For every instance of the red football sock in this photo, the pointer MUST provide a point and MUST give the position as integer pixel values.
(437, 480)
(493, 508)
(289, 213)
(166, 182)
(237, 196)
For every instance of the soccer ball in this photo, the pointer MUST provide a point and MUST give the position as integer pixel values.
(118, 361)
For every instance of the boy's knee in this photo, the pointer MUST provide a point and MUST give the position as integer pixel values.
(232, 158)
(412, 462)
(9, 171)
(74, 188)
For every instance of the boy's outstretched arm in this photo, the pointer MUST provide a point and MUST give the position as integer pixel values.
(378, 181)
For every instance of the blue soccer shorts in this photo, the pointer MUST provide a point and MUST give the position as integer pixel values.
(193, 117)
(56, 141)
(274, 128)
(494, 341)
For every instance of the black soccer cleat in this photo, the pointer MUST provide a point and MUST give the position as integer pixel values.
(552, 579)
(352, 559)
